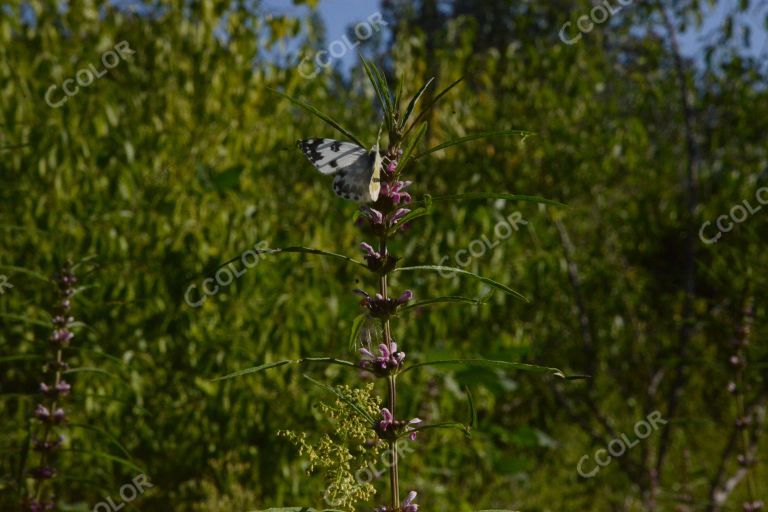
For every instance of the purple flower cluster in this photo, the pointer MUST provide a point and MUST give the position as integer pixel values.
(380, 307)
(407, 506)
(380, 221)
(390, 428)
(33, 505)
(49, 412)
(387, 362)
(394, 192)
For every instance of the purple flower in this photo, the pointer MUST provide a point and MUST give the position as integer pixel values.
(60, 389)
(42, 473)
(379, 307)
(62, 321)
(408, 505)
(47, 446)
(388, 360)
(389, 428)
(42, 413)
(395, 192)
(388, 420)
(405, 297)
(375, 216)
(399, 214)
(33, 505)
(62, 337)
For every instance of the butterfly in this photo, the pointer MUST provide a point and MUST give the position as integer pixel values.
(355, 170)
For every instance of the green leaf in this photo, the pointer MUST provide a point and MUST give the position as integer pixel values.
(468, 196)
(381, 91)
(432, 103)
(412, 145)
(354, 335)
(298, 509)
(21, 357)
(25, 320)
(413, 101)
(506, 365)
(106, 434)
(486, 280)
(362, 412)
(26, 271)
(305, 250)
(276, 364)
(472, 410)
(110, 457)
(448, 425)
(447, 299)
(413, 214)
(472, 137)
(312, 110)
(89, 369)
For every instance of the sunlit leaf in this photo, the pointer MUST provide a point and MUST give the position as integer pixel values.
(309, 108)
(506, 365)
(486, 280)
(474, 136)
(276, 364)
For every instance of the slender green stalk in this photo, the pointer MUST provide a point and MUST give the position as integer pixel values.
(393, 469)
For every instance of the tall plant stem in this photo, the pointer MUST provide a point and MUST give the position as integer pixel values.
(393, 469)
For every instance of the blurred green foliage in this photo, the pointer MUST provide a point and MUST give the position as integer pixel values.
(179, 158)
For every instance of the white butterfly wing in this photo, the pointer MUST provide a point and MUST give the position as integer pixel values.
(356, 170)
(330, 155)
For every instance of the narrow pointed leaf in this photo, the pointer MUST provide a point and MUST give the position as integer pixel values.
(90, 369)
(354, 334)
(472, 137)
(415, 99)
(472, 410)
(413, 214)
(432, 103)
(25, 320)
(486, 280)
(276, 364)
(447, 299)
(25, 271)
(21, 357)
(506, 365)
(447, 425)
(110, 457)
(469, 196)
(312, 110)
(343, 398)
(378, 87)
(300, 250)
(408, 152)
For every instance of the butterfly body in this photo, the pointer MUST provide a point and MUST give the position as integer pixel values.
(356, 171)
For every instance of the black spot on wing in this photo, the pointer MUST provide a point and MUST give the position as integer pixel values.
(336, 146)
(333, 163)
(309, 148)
